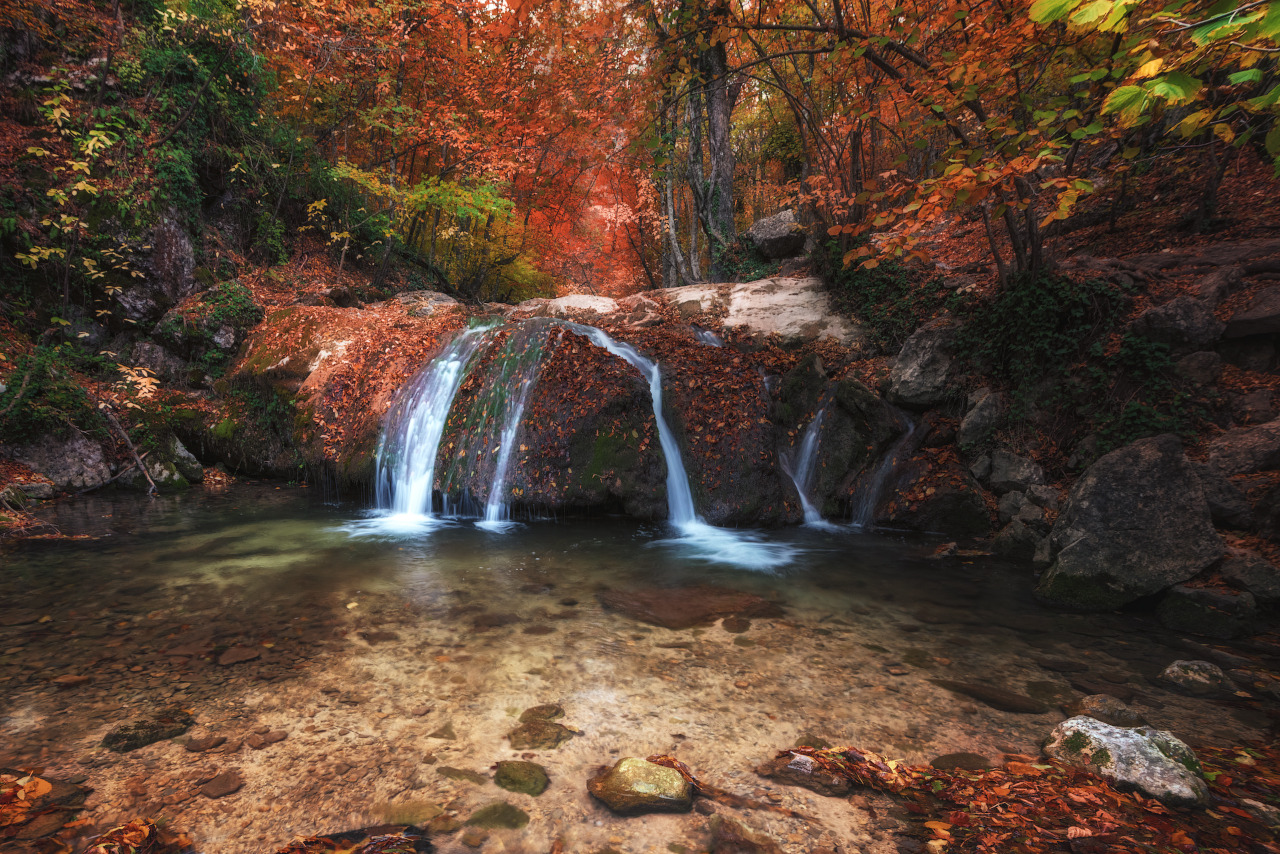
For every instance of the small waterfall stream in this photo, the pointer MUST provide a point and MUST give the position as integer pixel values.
(799, 465)
(864, 511)
(409, 445)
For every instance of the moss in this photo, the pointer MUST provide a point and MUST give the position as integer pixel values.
(224, 430)
(1100, 757)
(1076, 742)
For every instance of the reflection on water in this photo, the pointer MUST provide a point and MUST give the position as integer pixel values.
(371, 633)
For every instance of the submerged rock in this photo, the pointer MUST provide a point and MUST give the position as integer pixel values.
(1148, 760)
(545, 712)
(686, 607)
(633, 786)
(799, 769)
(498, 814)
(166, 723)
(539, 735)
(1221, 614)
(1105, 708)
(1136, 523)
(527, 778)
(996, 698)
(962, 762)
(1197, 678)
(731, 837)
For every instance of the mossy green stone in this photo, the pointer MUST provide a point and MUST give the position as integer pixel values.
(539, 735)
(527, 778)
(499, 814)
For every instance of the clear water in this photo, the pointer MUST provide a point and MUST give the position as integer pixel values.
(388, 658)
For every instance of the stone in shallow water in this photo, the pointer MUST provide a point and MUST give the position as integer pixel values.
(962, 762)
(539, 735)
(798, 769)
(996, 698)
(166, 723)
(226, 783)
(461, 774)
(1151, 761)
(446, 732)
(527, 778)
(1105, 708)
(731, 837)
(686, 607)
(634, 786)
(545, 712)
(1197, 678)
(499, 814)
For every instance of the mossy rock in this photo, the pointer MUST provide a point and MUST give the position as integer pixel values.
(498, 815)
(526, 778)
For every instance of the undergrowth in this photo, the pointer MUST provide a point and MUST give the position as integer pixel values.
(44, 396)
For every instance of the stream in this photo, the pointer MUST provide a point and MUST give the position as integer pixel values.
(363, 673)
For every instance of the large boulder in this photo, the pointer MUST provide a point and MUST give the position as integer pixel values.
(1184, 323)
(1262, 317)
(778, 236)
(921, 373)
(73, 464)
(1221, 614)
(986, 412)
(1247, 450)
(1136, 523)
(798, 310)
(1148, 760)
(167, 264)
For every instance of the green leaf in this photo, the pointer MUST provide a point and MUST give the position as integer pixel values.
(1127, 101)
(1253, 75)
(1176, 87)
(1272, 142)
(1044, 11)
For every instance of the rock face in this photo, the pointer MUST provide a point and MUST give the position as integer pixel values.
(923, 367)
(1151, 761)
(1250, 571)
(986, 411)
(1262, 317)
(1228, 505)
(1223, 614)
(1247, 450)
(1136, 523)
(778, 236)
(1010, 471)
(168, 269)
(796, 309)
(72, 464)
(1184, 323)
(633, 786)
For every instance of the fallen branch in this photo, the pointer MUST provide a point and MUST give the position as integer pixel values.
(137, 460)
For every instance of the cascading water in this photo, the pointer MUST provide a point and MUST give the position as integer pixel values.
(864, 511)
(799, 465)
(406, 457)
(698, 539)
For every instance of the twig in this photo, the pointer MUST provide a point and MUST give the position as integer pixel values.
(136, 459)
(114, 477)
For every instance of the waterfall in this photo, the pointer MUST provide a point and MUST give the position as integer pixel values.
(406, 456)
(864, 511)
(520, 362)
(679, 497)
(799, 466)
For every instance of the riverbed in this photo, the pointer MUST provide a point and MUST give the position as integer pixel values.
(362, 672)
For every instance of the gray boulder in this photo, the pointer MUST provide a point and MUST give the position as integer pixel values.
(168, 273)
(1228, 505)
(167, 367)
(1223, 614)
(1136, 523)
(1017, 540)
(920, 374)
(1247, 450)
(1012, 472)
(1262, 317)
(1250, 571)
(1197, 678)
(1148, 760)
(778, 236)
(1184, 323)
(73, 464)
(986, 411)
(1220, 284)
(1202, 368)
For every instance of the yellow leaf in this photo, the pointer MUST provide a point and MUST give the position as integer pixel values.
(940, 826)
(1148, 69)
